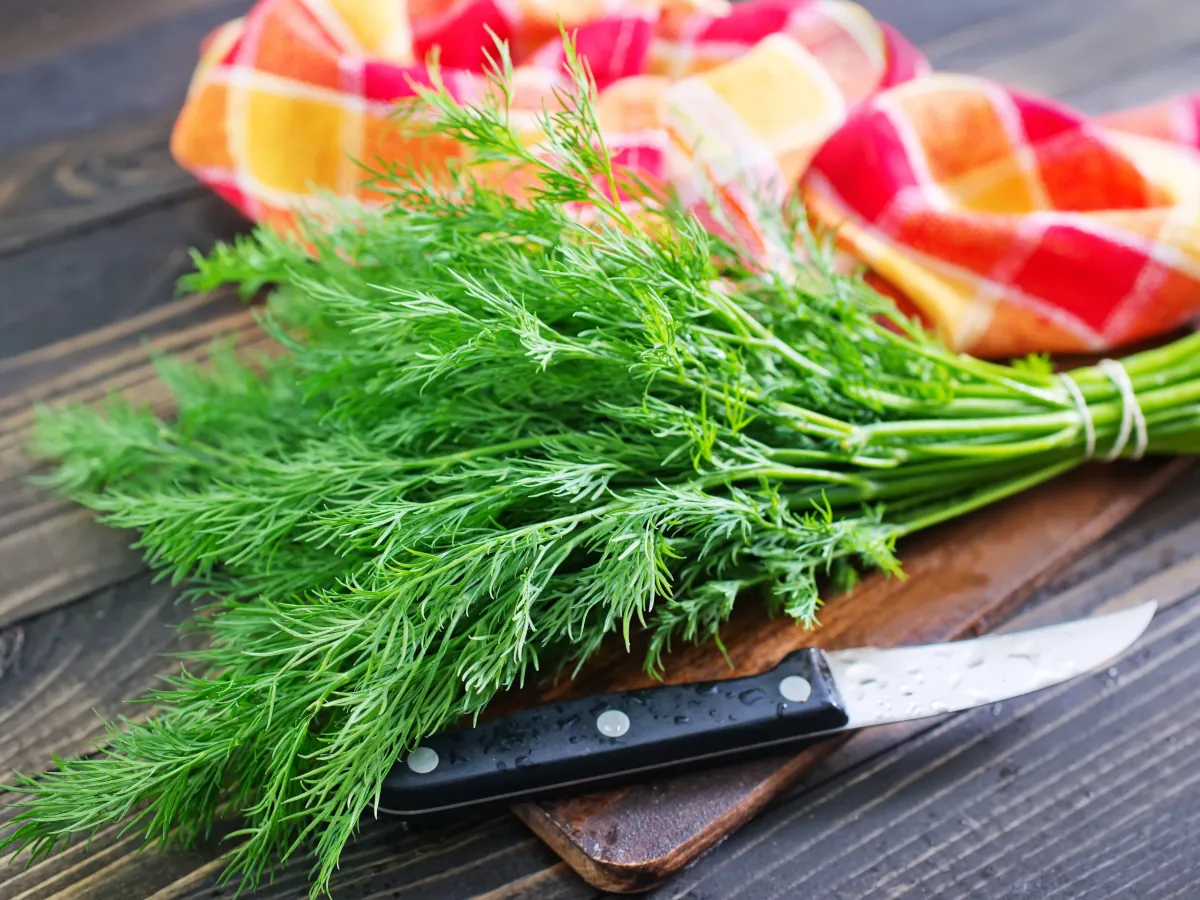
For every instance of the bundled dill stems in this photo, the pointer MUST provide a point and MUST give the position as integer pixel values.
(501, 432)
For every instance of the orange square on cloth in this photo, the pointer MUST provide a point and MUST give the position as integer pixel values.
(968, 146)
(201, 134)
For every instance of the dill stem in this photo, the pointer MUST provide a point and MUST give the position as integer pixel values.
(1147, 363)
(782, 454)
(740, 317)
(780, 473)
(1103, 414)
(983, 497)
(962, 406)
(936, 481)
(909, 428)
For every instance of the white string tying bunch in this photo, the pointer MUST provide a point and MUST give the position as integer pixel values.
(1133, 420)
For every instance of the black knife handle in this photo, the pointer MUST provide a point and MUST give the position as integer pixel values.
(609, 738)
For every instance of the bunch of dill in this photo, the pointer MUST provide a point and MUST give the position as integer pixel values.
(504, 428)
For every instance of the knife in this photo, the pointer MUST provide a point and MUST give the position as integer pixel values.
(608, 739)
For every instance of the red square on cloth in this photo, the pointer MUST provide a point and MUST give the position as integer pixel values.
(466, 38)
(868, 162)
(1081, 272)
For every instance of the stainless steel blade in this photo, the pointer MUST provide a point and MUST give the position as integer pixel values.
(880, 686)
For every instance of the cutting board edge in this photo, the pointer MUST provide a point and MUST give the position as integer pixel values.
(640, 877)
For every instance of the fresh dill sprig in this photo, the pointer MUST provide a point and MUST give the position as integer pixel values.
(507, 426)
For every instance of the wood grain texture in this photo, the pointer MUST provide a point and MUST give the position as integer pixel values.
(79, 368)
(34, 31)
(64, 667)
(94, 278)
(131, 73)
(386, 862)
(1107, 55)
(1053, 52)
(51, 551)
(71, 184)
(60, 196)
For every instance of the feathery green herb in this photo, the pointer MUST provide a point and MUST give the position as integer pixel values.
(505, 428)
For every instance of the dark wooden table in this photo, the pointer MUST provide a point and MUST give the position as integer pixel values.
(1090, 790)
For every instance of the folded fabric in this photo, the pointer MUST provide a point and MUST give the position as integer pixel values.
(1009, 222)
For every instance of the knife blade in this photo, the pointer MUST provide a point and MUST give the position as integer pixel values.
(811, 695)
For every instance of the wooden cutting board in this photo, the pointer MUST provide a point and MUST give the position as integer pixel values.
(962, 578)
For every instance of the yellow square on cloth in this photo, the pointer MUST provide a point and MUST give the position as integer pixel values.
(296, 144)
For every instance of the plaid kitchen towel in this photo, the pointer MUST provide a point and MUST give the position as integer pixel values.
(1009, 222)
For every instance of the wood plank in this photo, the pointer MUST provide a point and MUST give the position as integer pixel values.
(34, 31)
(51, 551)
(66, 666)
(495, 858)
(71, 184)
(136, 73)
(89, 280)
(60, 557)
(1173, 72)
(1057, 52)
(1113, 54)
(932, 26)
(469, 859)
(79, 367)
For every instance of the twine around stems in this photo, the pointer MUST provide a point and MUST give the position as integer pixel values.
(1133, 420)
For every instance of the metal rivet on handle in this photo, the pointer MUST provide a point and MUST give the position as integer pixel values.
(423, 760)
(612, 723)
(795, 689)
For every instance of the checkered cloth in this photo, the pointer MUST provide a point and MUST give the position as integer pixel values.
(1010, 223)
